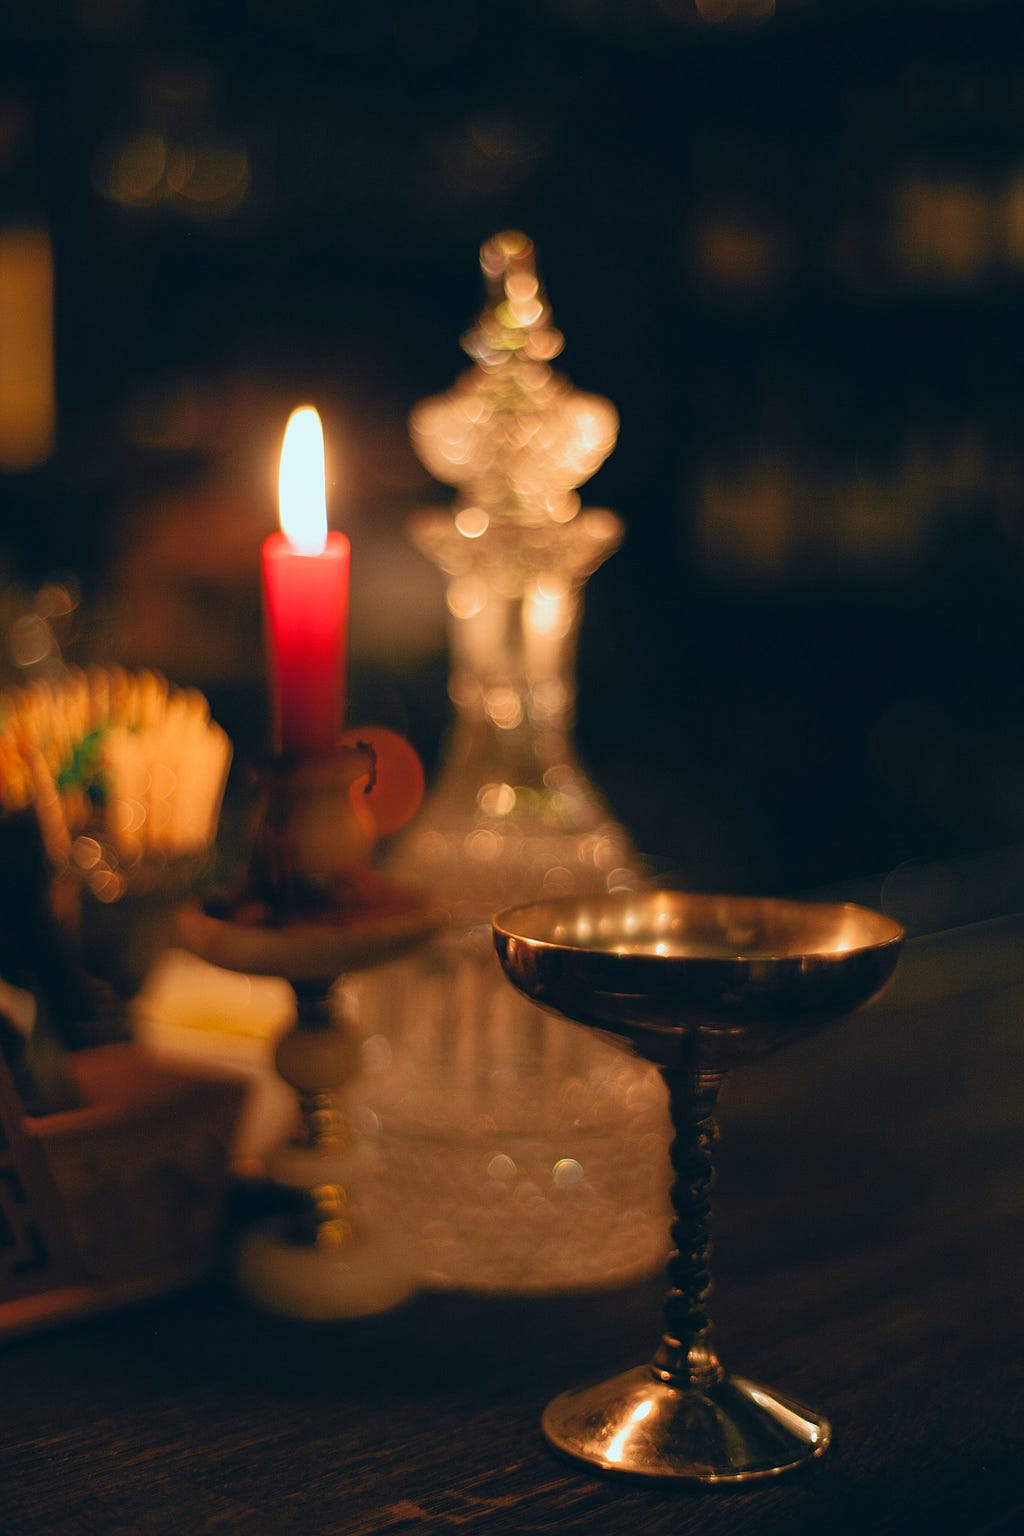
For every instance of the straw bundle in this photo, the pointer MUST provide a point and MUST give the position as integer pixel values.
(124, 770)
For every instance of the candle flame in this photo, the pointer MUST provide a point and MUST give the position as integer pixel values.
(302, 483)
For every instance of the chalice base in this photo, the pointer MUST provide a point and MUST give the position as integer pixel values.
(636, 1425)
(363, 1277)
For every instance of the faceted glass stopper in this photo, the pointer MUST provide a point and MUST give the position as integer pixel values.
(512, 435)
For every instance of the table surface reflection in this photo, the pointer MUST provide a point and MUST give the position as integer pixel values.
(869, 1249)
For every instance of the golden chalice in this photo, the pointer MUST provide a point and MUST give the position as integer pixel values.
(698, 985)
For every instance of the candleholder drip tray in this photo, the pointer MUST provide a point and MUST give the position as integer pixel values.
(514, 1149)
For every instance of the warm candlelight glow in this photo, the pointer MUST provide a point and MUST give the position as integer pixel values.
(302, 487)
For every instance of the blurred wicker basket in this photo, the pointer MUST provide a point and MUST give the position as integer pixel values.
(118, 1199)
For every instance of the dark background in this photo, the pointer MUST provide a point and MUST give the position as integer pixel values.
(787, 242)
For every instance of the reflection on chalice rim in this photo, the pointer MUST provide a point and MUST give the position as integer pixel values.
(696, 984)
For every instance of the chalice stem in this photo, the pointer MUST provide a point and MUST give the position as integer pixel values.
(686, 1355)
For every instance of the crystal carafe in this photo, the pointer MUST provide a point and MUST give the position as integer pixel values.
(514, 1150)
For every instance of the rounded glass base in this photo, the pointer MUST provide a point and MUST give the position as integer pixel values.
(731, 1431)
(363, 1277)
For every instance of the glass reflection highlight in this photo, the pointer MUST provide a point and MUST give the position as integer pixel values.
(512, 434)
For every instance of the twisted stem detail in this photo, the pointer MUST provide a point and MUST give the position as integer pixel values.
(686, 1355)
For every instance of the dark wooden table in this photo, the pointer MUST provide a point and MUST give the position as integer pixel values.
(870, 1259)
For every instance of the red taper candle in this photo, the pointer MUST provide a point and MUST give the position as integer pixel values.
(305, 600)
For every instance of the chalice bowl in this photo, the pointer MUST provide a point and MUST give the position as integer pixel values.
(698, 985)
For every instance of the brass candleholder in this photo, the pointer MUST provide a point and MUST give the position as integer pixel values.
(310, 909)
(697, 985)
